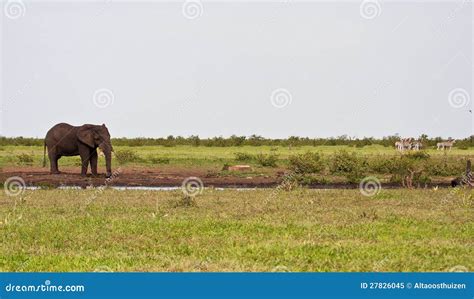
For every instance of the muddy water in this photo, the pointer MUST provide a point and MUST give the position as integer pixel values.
(143, 188)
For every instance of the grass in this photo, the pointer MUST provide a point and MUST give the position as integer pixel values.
(256, 230)
(314, 165)
(374, 160)
(211, 156)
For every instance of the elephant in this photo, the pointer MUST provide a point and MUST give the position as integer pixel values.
(66, 140)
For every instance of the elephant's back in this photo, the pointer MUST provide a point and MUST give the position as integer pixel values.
(59, 131)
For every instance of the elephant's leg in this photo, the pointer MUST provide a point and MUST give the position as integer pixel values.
(93, 160)
(84, 162)
(53, 161)
(56, 162)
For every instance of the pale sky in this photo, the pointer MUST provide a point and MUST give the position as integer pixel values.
(162, 68)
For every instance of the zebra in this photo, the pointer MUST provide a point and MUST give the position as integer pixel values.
(417, 145)
(408, 143)
(404, 144)
(399, 146)
(445, 144)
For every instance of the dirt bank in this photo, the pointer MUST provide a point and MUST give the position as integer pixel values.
(154, 177)
(133, 177)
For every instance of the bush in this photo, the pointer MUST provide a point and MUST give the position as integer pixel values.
(409, 171)
(158, 160)
(243, 157)
(307, 180)
(444, 167)
(267, 160)
(381, 164)
(420, 155)
(343, 162)
(411, 178)
(25, 159)
(306, 163)
(349, 165)
(125, 156)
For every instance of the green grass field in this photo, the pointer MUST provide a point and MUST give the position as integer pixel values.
(251, 230)
(242, 230)
(312, 165)
(214, 156)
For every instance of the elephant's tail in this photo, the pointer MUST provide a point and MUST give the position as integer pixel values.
(44, 155)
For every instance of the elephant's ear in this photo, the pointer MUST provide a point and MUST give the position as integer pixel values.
(86, 135)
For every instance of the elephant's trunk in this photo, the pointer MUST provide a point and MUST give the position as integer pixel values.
(107, 149)
(108, 164)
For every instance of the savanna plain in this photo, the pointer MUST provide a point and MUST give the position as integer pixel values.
(287, 226)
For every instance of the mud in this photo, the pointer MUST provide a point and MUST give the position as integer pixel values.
(153, 177)
(134, 177)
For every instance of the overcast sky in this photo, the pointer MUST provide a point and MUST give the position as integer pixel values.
(276, 69)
